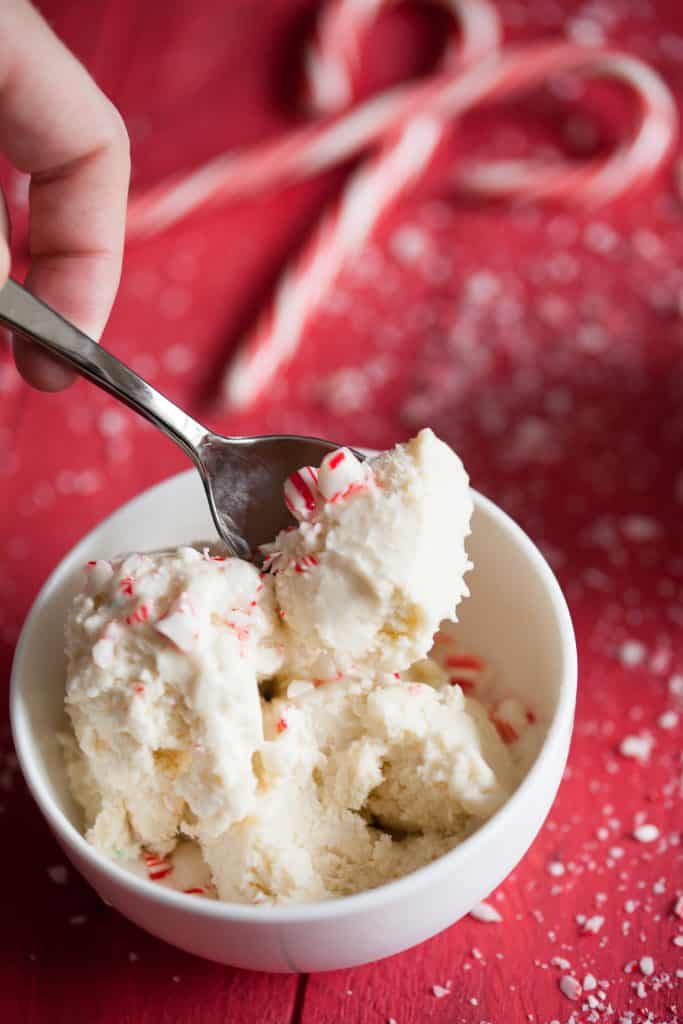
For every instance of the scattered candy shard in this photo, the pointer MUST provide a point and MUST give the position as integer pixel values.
(486, 913)
(570, 987)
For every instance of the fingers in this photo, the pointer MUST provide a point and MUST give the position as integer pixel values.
(56, 125)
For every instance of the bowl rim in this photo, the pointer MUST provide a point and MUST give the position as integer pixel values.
(338, 907)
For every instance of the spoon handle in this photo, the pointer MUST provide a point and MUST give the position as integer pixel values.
(26, 315)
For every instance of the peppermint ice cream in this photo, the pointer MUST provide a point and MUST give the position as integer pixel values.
(378, 560)
(286, 735)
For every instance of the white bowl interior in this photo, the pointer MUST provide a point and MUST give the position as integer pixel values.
(515, 616)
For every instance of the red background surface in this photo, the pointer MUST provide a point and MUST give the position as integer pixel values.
(545, 345)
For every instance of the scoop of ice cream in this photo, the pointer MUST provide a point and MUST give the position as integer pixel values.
(165, 652)
(377, 561)
(360, 781)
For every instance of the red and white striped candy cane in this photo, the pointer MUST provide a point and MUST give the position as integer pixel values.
(325, 143)
(341, 234)
(592, 182)
(333, 60)
(408, 122)
(379, 182)
(334, 57)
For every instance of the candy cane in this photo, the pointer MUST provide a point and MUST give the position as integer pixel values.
(334, 56)
(340, 235)
(310, 150)
(596, 181)
(408, 122)
(277, 334)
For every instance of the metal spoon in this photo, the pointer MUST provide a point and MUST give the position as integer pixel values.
(242, 476)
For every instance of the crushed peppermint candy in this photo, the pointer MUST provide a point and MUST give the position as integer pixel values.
(181, 624)
(440, 991)
(646, 833)
(647, 965)
(637, 747)
(668, 720)
(486, 913)
(632, 653)
(676, 685)
(305, 564)
(591, 925)
(58, 874)
(340, 475)
(570, 987)
(302, 496)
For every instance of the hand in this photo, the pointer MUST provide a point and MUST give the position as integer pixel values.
(56, 125)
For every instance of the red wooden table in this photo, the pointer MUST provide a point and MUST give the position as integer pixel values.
(545, 345)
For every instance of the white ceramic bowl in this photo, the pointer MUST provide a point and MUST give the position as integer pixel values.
(516, 616)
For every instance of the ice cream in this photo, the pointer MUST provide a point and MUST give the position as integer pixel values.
(378, 559)
(284, 735)
(165, 654)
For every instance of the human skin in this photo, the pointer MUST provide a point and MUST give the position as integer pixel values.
(57, 126)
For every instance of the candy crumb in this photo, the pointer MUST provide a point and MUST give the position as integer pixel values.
(570, 987)
(632, 653)
(646, 833)
(647, 965)
(486, 913)
(592, 925)
(561, 962)
(440, 992)
(58, 874)
(636, 747)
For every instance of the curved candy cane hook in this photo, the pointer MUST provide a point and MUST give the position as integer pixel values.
(405, 125)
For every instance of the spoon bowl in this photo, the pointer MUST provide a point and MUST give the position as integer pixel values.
(242, 476)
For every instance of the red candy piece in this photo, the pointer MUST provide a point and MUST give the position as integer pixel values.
(507, 732)
(466, 685)
(306, 563)
(337, 459)
(161, 873)
(140, 614)
(464, 661)
(301, 492)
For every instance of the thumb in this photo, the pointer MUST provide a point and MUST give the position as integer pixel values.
(5, 258)
(34, 366)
